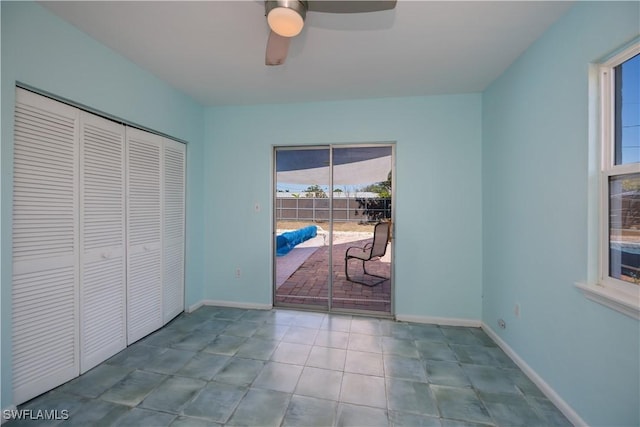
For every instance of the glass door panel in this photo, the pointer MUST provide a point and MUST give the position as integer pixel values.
(302, 215)
(362, 195)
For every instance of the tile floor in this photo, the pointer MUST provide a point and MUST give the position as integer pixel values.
(228, 366)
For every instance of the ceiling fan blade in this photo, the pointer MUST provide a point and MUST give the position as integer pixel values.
(277, 48)
(350, 6)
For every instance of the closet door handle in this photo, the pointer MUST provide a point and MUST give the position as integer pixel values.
(106, 255)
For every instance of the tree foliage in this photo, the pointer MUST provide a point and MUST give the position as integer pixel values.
(316, 191)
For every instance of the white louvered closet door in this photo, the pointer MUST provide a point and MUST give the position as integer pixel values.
(102, 240)
(45, 245)
(144, 233)
(173, 228)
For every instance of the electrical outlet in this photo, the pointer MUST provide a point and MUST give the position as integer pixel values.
(257, 207)
(238, 273)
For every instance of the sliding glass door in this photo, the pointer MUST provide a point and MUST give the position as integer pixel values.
(362, 188)
(328, 202)
(302, 213)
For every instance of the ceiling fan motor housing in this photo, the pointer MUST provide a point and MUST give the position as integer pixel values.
(286, 17)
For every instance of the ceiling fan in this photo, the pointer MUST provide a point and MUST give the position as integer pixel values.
(286, 19)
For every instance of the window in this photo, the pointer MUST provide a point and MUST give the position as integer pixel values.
(620, 184)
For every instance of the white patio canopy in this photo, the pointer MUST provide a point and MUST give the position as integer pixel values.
(351, 166)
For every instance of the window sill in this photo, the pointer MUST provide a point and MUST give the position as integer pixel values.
(616, 300)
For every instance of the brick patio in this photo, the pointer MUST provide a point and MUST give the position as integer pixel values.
(309, 284)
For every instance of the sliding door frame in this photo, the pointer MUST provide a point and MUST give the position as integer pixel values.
(329, 306)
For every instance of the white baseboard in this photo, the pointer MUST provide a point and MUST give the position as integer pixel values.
(442, 321)
(234, 304)
(551, 394)
(2, 418)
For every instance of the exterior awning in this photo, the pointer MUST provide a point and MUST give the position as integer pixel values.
(351, 166)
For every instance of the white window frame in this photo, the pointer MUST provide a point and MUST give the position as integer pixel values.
(614, 293)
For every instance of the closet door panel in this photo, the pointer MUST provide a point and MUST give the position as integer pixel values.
(45, 245)
(173, 248)
(144, 234)
(102, 231)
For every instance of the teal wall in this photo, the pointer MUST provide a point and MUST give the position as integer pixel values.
(538, 188)
(42, 51)
(438, 206)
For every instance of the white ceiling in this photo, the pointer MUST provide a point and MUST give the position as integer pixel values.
(214, 50)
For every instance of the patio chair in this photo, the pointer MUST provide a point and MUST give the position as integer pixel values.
(372, 251)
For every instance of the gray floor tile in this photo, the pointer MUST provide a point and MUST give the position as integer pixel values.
(221, 365)
(446, 373)
(336, 323)
(216, 402)
(361, 362)
(362, 342)
(548, 412)
(183, 421)
(194, 341)
(400, 330)
(96, 413)
(320, 383)
(311, 412)
(405, 419)
(278, 376)
(165, 337)
(169, 361)
(271, 331)
(482, 355)
(457, 423)
(173, 394)
(96, 381)
(327, 358)
(239, 371)
(258, 316)
(133, 388)
(283, 317)
(203, 366)
(229, 313)
(334, 339)
(460, 404)
(482, 337)
(411, 396)
(511, 410)
(56, 401)
(427, 332)
(241, 329)
(366, 326)
(257, 348)
(260, 408)
(296, 354)
(404, 368)
(434, 350)
(214, 326)
(358, 416)
(491, 379)
(300, 335)
(524, 384)
(136, 356)
(143, 417)
(363, 390)
(226, 345)
(309, 320)
(460, 335)
(399, 347)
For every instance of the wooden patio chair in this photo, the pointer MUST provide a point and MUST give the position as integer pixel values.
(372, 251)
